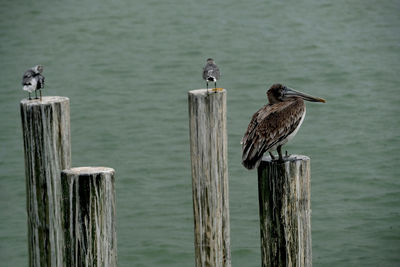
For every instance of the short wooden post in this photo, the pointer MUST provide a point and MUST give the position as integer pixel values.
(284, 199)
(208, 148)
(46, 134)
(89, 216)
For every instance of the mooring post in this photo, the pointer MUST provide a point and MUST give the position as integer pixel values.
(47, 149)
(284, 202)
(209, 161)
(88, 212)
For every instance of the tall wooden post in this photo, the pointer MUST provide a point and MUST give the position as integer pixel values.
(284, 199)
(208, 148)
(88, 212)
(46, 134)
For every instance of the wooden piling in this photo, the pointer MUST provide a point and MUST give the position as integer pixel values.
(89, 216)
(47, 150)
(284, 202)
(208, 148)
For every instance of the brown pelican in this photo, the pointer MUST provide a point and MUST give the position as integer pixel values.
(274, 124)
(211, 73)
(33, 80)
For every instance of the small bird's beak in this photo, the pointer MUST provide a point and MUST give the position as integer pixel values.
(293, 93)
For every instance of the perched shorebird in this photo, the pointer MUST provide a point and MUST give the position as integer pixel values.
(211, 73)
(274, 124)
(33, 80)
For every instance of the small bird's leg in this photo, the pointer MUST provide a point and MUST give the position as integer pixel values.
(215, 84)
(29, 96)
(272, 155)
(287, 155)
(40, 92)
(36, 94)
(207, 87)
(279, 149)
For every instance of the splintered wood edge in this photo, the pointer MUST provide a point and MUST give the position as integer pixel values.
(88, 170)
(291, 158)
(45, 100)
(204, 91)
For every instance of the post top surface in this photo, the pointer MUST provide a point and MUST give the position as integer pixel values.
(291, 158)
(204, 91)
(45, 100)
(88, 170)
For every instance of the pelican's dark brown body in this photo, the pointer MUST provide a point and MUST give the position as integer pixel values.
(274, 124)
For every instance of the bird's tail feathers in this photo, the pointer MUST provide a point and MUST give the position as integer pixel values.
(251, 163)
(251, 156)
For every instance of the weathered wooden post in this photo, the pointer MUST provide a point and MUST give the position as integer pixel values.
(284, 199)
(47, 149)
(208, 148)
(89, 216)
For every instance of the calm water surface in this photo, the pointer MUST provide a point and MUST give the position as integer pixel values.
(127, 66)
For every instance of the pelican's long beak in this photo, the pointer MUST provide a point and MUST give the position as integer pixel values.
(293, 93)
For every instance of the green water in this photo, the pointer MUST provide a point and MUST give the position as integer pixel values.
(127, 66)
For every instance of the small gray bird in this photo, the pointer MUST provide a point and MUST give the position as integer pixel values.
(33, 80)
(211, 73)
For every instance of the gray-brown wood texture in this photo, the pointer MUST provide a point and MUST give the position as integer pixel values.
(88, 213)
(208, 148)
(285, 213)
(47, 150)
